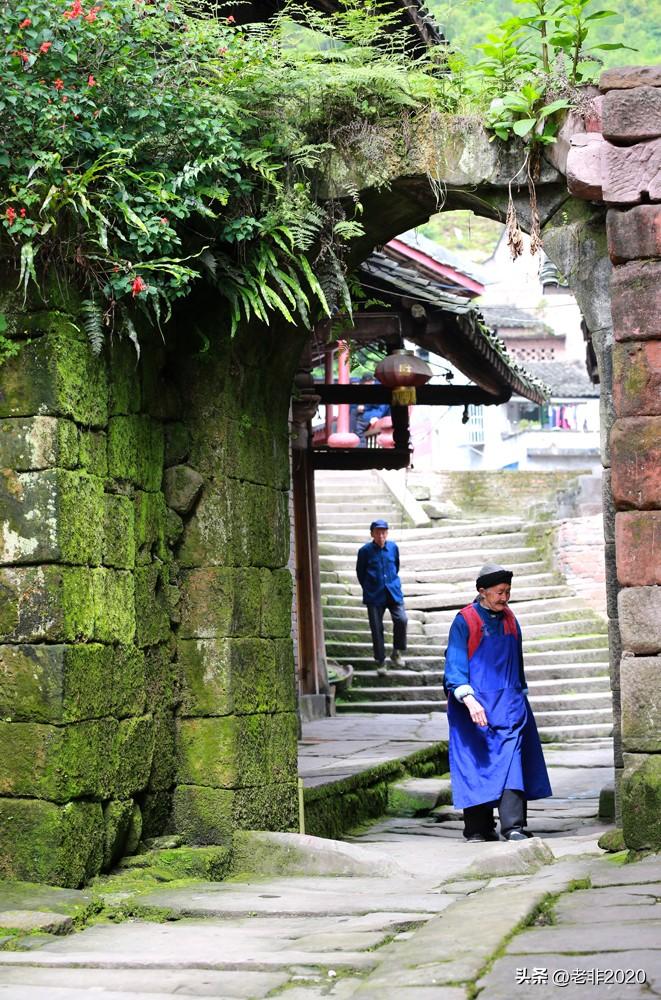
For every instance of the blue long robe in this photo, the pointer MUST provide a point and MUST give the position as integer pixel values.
(506, 753)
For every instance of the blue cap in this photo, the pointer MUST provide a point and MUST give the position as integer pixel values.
(379, 524)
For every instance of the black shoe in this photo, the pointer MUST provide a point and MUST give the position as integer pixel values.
(515, 835)
(476, 838)
(381, 668)
(492, 836)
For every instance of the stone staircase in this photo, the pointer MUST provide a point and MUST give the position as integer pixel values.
(565, 642)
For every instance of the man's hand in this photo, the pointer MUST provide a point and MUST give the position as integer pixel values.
(477, 713)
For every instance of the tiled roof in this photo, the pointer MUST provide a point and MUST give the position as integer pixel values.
(512, 317)
(379, 270)
(417, 241)
(565, 379)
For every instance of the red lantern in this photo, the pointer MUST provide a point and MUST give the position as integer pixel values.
(402, 371)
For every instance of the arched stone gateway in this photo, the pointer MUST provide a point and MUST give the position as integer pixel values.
(146, 663)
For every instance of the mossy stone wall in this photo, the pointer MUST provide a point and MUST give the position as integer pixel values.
(146, 664)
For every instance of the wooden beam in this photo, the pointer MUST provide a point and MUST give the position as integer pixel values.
(427, 395)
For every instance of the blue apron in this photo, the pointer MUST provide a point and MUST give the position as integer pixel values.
(506, 753)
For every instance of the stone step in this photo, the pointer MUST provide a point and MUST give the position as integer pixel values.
(348, 643)
(456, 598)
(395, 676)
(599, 684)
(330, 543)
(390, 707)
(583, 732)
(566, 672)
(581, 659)
(541, 680)
(587, 701)
(399, 693)
(545, 630)
(522, 556)
(558, 609)
(576, 717)
(576, 635)
(462, 588)
(469, 534)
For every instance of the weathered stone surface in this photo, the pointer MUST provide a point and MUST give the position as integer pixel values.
(116, 819)
(629, 172)
(229, 676)
(632, 115)
(276, 603)
(43, 842)
(118, 534)
(270, 853)
(93, 457)
(51, 516)
(135, 451)
(182, 486)
(151, 518)
(162, 676)
(625, 77)
(640, 619)
(177, 444)
(163, 767)
(637, 378)
(634, 234)
(636, 301)
(114, 596)
(30, 444)
(123, 378)
(134, 834)
(58, 763)
(52, 603)
(56, 683)
(207, 602)
(132, 754)
(207, 537)
(636, 462)
(584, 166)
(638, 542)
(641, 801)
(152, 610)
(34, 920)
(203, 815)
(641, 703)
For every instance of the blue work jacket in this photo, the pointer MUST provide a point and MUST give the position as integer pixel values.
(378, 572)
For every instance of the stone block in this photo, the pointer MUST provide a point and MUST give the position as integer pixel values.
(28, 444)
(116, 819)
(630, 173)
(612, 586)
(207, 602)
(123, 378)
(207, 536)
(285, 675)
(58, 683)
(632, 114)
(584, 166)
(228, 676)
(43, 842)
(177, 444)
(640, 619)
(634, 234)
(641, 703)
(114, 596)
(203, 815)
(150, 525)
(93, 453)
(118, 531)
(182, 486)
(133, 752)
(638, 544)
(58, 763)
(640, 795)
(152, 610)
(637, 378)
(247, 602)
(56, 375)
(51, 516)
(626, 77)
(134, 834)
(267, 807)
(156, 813)
(636, 300)
(260, 532)
(608, 507)
(636, 462)
(135, 451)
(163, 766)
(276, 603)
(162, 677)
(45, 603)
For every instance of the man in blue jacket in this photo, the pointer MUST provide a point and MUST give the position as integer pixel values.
(377, 569)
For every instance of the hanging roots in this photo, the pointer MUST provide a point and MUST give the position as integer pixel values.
(513, 230)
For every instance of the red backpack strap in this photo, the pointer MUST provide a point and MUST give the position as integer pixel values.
(509, 625)
(475, 628)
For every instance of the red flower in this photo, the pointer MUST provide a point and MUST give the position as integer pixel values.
(91, 17)
(11, 215)
(22, 213)
(222, 50)
(44, 47)
(58, 84)
(164, 221)
(22, 54)
(138, 286)
(25, 23)
(231, 19)
(91, 82)
(76, 11)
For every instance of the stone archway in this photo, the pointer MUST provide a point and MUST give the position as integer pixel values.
(146, 663)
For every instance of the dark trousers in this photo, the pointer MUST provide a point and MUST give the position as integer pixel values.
(375, 613)
(512, 813)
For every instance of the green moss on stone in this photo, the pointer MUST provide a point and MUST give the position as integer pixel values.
(252, 676)
(78, 606)
(114, 605)
(276, 603)
(118, 536)
(162, 677)
(177, 444)
(207, 752)
(133, 752)
(116, 819)
(93, 457)
(152, 609)
(209, 863)
(28, 444)
(126, 667)
(134, 833)
(150, 525)
(205, 677)
(135, 451)
(80, 517)
(267, 807)
(641, 802)
(123, 378)
(156, 813)
(163, 767)
(43, 842)
(209, 534)
(203, 815)
(285, 675)
(58, 763)
(207, 602)
(612, 841)
(247, 601)
(260, 526)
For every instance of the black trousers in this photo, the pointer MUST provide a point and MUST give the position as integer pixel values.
(375, 613)
(512, 812)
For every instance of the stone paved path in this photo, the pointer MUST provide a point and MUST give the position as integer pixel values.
(406, 911)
